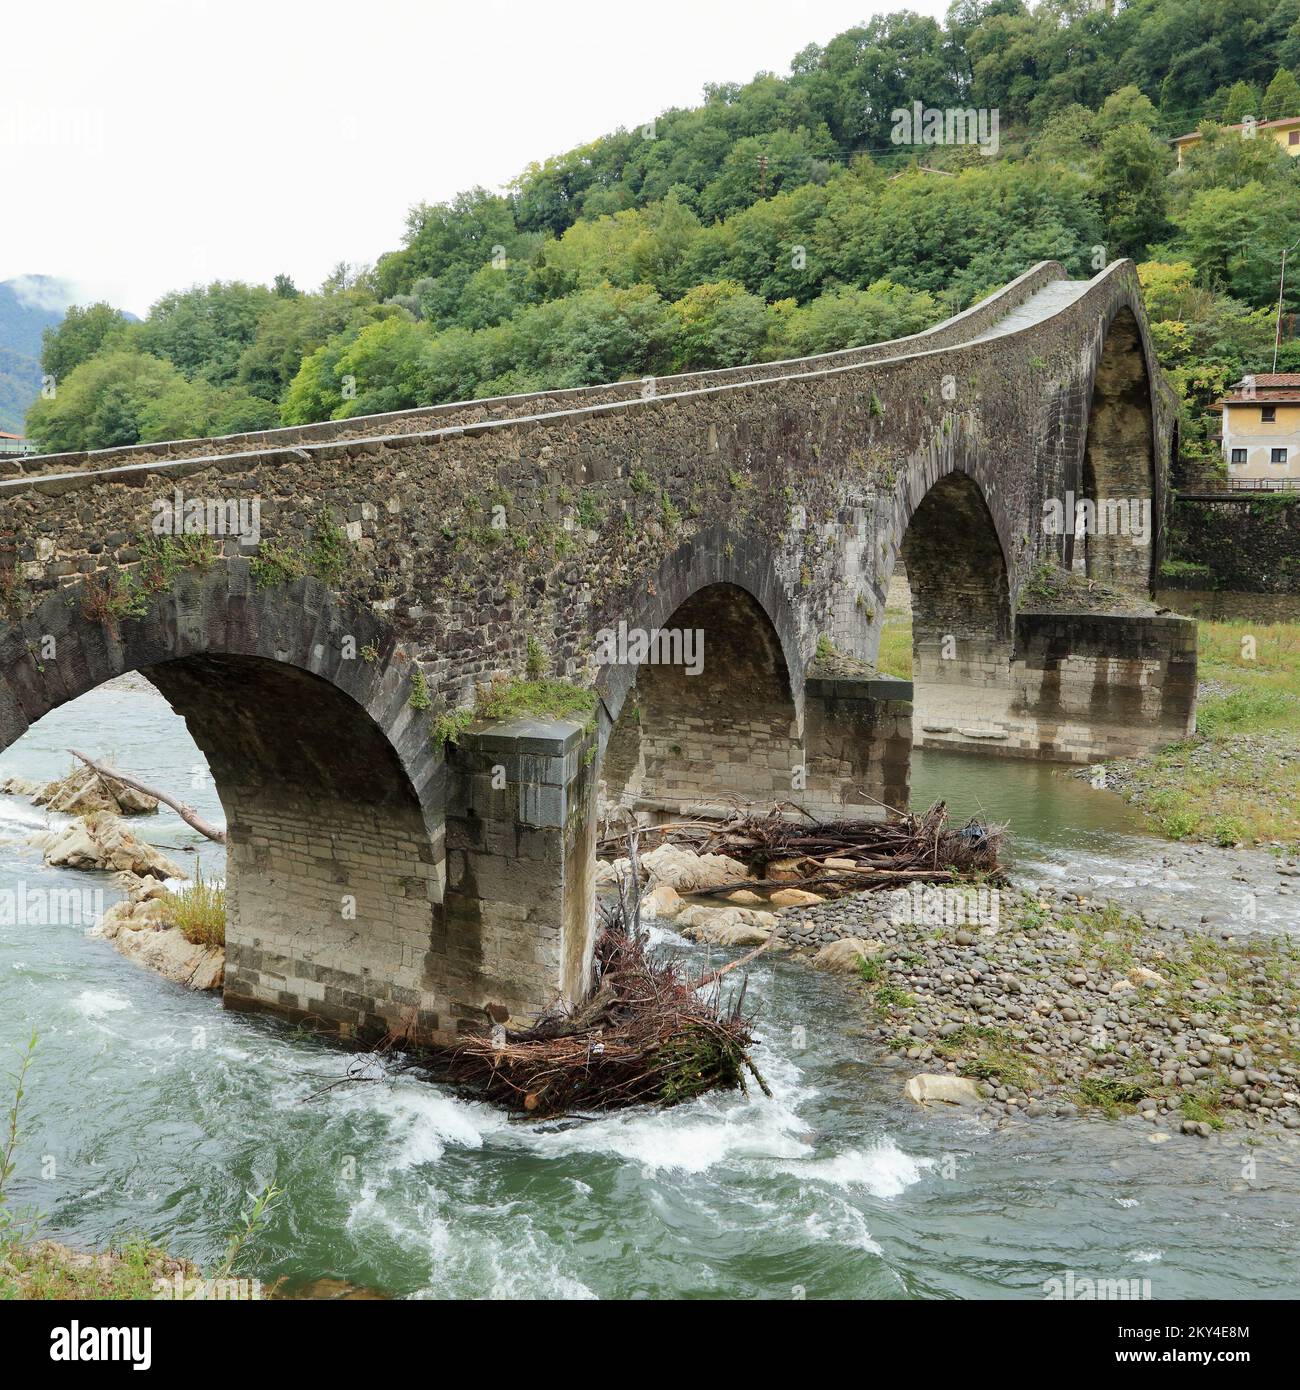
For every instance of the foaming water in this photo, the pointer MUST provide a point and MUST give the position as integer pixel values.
(163, 1113)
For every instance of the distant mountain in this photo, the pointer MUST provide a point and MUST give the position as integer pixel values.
(28, 306)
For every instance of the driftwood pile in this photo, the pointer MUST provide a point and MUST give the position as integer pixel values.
(836, 858)
(649, 1035)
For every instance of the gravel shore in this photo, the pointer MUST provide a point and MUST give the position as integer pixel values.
(1069, 1004)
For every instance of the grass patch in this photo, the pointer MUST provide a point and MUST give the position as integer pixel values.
(200, 913)
(1112, 1095)
(1237, 781)
(553, 699)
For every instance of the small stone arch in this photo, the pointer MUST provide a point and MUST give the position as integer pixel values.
(961, 609)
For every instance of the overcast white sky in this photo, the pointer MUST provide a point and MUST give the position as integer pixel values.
(149, 144)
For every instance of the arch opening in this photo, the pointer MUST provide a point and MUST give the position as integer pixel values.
(950, 595)
(1118, 474)
(728, 732)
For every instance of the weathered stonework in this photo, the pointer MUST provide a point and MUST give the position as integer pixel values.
(769, 504)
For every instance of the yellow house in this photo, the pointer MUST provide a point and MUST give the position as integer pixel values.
(1285, 130)
(1261, 430)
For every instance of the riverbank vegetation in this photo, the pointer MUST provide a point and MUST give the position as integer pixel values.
(778, 218)
(1237, 781)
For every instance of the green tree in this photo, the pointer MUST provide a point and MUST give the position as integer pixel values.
(719, 325)
(107, 401)
(1133, 189)
(1282, 97)
(79, 336)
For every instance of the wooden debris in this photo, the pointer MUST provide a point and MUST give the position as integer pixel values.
(839, 857)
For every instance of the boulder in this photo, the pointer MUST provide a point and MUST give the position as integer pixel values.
(795, 897)
(662, 901)
(780, 870)
(846, 955)
(689, 872)
(83, 792)
(928, 1088)
(101, 841)
(742, 897)
(166, 950)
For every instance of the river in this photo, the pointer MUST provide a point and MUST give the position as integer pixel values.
(151, 1111)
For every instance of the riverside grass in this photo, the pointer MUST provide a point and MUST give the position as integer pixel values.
(199, 913)
(1237, 781)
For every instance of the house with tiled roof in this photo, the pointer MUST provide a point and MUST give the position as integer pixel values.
(1285, 130)
(1261, 429)
(15, 444)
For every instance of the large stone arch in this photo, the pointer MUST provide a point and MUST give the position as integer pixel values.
(1118, 470)
(333, 791)
(962, 628)
(731, 731)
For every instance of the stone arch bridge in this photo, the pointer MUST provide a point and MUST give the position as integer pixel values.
(396, 863)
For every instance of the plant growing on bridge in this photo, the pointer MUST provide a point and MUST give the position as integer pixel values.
(419, 696)
(109, 599)
(327, 556)
(536, 659)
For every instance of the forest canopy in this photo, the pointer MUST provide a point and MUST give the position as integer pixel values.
(778, 218)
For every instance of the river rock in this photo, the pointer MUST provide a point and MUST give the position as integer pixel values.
(662, 901)
(725, 926)
(689, 872)
(742, 897)
(795, 897)
(609, 875)
(166, 950)
(83, 791)
(19, 786)
(131, 915)
(847, 954)
(101, 841)
(950, 1090)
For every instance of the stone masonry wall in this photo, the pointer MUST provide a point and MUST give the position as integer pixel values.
(1245, 544)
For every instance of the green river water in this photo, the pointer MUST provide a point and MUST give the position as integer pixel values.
(151, 1111)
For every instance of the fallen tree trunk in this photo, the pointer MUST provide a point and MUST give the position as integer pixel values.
(187, 813)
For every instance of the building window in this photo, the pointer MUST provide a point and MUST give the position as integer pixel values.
(1278, 456)
(1239, 456)
(1293, 138)
(1268, 413)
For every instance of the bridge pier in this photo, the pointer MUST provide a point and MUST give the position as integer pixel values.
(519, 909)
(858, 742)
(1074, 687)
